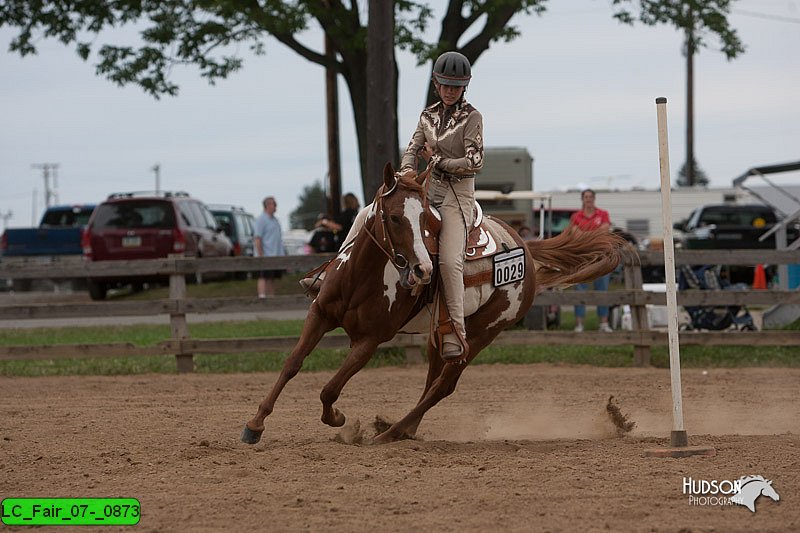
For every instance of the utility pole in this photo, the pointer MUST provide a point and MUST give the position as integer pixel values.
(49, 193)
(332, 108)
(8, 215)
(690, 44)
(34, 210)
(157, 169)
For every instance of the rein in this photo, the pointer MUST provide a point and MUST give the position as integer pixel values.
(392, 255)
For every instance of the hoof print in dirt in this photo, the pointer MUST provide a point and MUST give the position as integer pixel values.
(350, 434)
(622, 423)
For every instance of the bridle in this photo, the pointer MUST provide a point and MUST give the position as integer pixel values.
(399, 261)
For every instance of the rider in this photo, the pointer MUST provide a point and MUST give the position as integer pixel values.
(450, 136)
(450, 133)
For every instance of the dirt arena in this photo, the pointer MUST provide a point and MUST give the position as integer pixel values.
(516, 448)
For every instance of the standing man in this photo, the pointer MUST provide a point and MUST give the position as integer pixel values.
(590, 218)
(269, 243)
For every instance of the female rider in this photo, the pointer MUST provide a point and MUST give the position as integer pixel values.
(450, 135)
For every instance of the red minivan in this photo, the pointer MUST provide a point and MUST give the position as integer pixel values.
(130, 226)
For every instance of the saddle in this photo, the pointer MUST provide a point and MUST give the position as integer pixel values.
(479, 244)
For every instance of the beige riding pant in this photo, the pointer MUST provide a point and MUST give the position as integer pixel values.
(455, 201)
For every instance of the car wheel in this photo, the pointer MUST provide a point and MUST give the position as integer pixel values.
(97, 291)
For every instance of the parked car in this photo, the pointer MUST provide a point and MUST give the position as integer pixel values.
(731, 226)
(238, 225)
(130, 226)
(727, 226)
(58, 233)
(57, 236)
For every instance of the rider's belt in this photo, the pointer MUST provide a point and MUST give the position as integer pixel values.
(444, 176)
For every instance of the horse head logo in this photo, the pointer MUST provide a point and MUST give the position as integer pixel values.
(751, 487)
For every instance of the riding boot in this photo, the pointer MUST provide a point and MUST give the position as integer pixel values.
(312, 284)
(451, 349)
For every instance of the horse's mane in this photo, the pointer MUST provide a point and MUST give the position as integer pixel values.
(409, 181)
(747, 479)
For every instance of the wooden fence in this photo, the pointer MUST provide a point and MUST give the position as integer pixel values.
(178, 305)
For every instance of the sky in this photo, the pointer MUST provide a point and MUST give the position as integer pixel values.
(577, 89)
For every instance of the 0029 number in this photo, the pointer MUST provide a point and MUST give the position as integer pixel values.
(509, 267)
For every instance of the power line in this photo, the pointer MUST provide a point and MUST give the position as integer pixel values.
(766, 16)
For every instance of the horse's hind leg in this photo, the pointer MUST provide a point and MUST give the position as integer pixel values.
(360, 353)
(313, 330)
(442, 386)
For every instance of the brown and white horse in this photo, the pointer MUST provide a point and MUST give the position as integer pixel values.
(372, 290)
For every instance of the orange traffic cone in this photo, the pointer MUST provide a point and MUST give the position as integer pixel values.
(759, 278)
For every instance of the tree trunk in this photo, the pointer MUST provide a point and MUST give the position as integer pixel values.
(381, 142)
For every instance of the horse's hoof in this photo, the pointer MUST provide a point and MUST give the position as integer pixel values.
(337, 421)
(251, 437)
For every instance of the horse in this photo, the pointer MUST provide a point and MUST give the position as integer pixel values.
(751, 487)
(374, 289)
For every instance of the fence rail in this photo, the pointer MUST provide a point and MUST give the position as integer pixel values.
(177, 306)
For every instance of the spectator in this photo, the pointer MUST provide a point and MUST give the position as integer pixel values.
(324, 238)
(269, 243)
(590, 218)
(347, 216)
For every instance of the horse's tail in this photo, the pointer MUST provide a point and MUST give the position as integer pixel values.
(577, 257)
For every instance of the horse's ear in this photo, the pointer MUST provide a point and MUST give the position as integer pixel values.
(388, 176)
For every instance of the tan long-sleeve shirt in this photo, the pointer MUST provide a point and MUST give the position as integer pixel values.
(455, 135)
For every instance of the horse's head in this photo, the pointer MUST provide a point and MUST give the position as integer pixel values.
(401, 204)
(767, 490)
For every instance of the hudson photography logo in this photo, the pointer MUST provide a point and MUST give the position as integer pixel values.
(743, 491)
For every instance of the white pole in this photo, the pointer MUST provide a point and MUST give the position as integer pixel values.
(678, 436)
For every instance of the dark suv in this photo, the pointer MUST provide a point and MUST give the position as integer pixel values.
(238, 225)
(727, 226)
(130, 226)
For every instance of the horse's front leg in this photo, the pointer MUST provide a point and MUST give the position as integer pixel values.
(435, 365)
(314, 328)
(360, 352)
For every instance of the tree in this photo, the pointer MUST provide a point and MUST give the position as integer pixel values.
(311, 203)
(698, 19)
(199, 32)
(698, 176)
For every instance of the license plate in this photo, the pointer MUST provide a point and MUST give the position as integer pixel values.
(509, 267)
(131, 242)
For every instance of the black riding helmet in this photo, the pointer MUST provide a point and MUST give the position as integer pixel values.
(452, 68)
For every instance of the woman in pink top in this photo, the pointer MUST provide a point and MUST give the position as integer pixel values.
(590, 218)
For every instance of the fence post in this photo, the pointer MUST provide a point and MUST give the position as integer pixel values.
(633, 280)
(177, 320)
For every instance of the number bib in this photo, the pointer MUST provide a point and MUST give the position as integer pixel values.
(509, 267)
